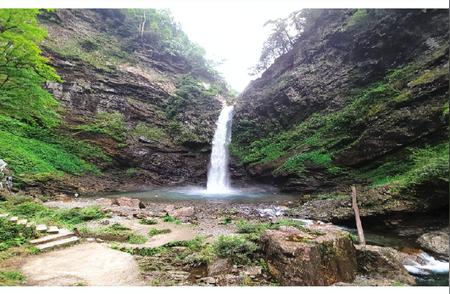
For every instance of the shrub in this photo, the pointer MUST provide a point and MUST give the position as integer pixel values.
(12, 234)
(236, 248)
(171, 219)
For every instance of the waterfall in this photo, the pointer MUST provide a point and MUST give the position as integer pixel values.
(218, 176)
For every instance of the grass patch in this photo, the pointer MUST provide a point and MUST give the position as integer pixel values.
(39, 154)
(115, 232)
(11, 278)
(152, 133)
(12, 235)
(237, 249)
(39, 213)
(148, 221)
(154, 232)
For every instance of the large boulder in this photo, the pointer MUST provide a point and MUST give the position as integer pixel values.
(436, 242)
(318, 255)
(383, 264)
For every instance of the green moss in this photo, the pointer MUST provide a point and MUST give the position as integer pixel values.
(150, 132)
(110, 124)
(101, 51)
(430, 76)
(417, 166)
(359, 17)
(12, 235)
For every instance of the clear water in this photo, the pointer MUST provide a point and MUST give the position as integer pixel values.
(255, 194)
(218, 175)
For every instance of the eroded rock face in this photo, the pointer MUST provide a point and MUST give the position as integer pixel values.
(318, 256)
(436, 242)
(383, 263)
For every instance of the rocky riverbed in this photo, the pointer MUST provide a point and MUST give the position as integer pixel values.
(182, 237)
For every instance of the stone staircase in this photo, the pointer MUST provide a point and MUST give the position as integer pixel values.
(54, 237)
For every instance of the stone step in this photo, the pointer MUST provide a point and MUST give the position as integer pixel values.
(53, 230)
(50, 238)
(14, 219)
(41, 228)
(22, 222)
(3, 215)
(58, 243)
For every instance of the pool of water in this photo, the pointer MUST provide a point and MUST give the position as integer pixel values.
(254, 194)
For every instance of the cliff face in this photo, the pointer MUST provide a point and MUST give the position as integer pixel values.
(151, 110)
(360, 99)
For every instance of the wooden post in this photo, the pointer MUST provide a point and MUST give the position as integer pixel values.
(362, 241)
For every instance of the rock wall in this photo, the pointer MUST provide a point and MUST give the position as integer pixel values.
(105, 70)
(358, 92)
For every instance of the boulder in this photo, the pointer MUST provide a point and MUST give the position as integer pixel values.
(129, 202)
(436, 242)
(318, 255)
(219, 266)
(183, 212)
(383, 264)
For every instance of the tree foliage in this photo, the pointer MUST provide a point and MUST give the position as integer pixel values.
(23, 70)
(158, 28)
(284, 33)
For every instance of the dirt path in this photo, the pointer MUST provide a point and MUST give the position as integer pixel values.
(90, 264)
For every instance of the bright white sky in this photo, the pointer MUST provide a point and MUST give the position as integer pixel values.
(231, 32)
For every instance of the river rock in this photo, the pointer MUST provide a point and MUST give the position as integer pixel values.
(219, 267)
(383, 264)
(318, 256)
(436, 242)
(183, 212)
(129, 202)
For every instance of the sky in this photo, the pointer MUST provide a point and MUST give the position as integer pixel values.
(231, 32)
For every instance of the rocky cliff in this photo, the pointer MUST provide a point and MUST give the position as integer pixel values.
(148, 107)
(362, 98)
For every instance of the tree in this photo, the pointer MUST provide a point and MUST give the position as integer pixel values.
(23, 69)
(285, 32)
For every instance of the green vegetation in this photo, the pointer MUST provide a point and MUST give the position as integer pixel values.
(29, 139)
(38, 213)
(110, 124)
(314, 143)
(115, 232)
(154, 232)
(148, 221)
(428, 164)
(102, 51)
(153, 133)
(11, 278)
(23, 70)
(171, 219)
(236, 248)
(12, 235)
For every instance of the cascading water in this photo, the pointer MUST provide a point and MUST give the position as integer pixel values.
(218, 176)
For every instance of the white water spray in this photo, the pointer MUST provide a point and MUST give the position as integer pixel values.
(218, 176)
